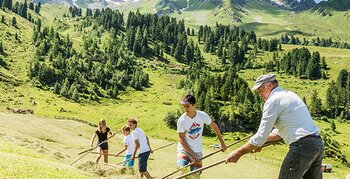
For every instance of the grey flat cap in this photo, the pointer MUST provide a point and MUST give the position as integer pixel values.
(263, 79)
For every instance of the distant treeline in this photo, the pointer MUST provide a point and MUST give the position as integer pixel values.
(321, 42)
(231, 44)
(299, 63)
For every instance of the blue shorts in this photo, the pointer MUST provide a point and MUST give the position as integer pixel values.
(143, 157)
(128, 162)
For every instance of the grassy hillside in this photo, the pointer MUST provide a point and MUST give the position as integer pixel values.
(39, 147)
(44, 148)
(23, 146)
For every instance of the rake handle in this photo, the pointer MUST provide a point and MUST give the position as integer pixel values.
(201, 169)
(219, 162)
(98, 145)
(149, 158)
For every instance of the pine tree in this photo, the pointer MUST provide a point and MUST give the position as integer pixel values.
(330, 98)
(342, 78)
(313, 69)
(14, 21)
(115, 92)
(38, 25)
(315, 104)
(65, 88)
(177, 53)
(137, 43)
(56, 88)
(24, 9)
(37, 8)
(16, 37)
(1, 48)
(75, 95)
(223, 58)
(31, 5)
(324, 64)
(189, 53)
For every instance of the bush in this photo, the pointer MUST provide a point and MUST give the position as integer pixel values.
(171, 119)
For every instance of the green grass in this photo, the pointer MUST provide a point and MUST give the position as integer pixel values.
(44, 148)
(42, 142)
(25, 146)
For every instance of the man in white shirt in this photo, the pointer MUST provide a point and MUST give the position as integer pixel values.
(285, 111)
(142, 144)
(190, 128)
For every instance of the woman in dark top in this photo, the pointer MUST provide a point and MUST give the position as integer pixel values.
(102, 133)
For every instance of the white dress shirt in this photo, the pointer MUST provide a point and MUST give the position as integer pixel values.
(285, 111)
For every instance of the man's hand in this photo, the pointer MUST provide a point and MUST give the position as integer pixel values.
(233, 157)
(150, 149)
(132, 157)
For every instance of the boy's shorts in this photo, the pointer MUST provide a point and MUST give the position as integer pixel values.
(143, 157)
(128, 162)
(183, 159)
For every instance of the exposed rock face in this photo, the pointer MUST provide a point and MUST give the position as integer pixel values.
(294, 5)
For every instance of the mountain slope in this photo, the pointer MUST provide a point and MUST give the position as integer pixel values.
(294, 5)
(338, 5)
(39, 147)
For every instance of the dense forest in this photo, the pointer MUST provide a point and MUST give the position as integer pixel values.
(98, 70)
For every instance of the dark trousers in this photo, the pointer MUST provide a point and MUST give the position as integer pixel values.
(303, 160)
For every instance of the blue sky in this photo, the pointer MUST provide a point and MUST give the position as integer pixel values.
(317, 1)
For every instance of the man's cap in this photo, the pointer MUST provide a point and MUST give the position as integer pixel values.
(189, 99)
(263, 79)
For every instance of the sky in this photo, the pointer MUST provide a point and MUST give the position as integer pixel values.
(317, 1)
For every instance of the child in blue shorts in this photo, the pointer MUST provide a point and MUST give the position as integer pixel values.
(129, 146)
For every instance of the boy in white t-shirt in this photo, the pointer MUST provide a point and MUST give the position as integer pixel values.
(190, 128)
(129, 146)
(142, 144)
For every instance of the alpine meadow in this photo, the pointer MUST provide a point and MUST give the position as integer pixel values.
(66, 65)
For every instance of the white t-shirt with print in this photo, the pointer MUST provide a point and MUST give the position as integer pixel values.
(130, 143)
(193, 129)
(138, 134)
